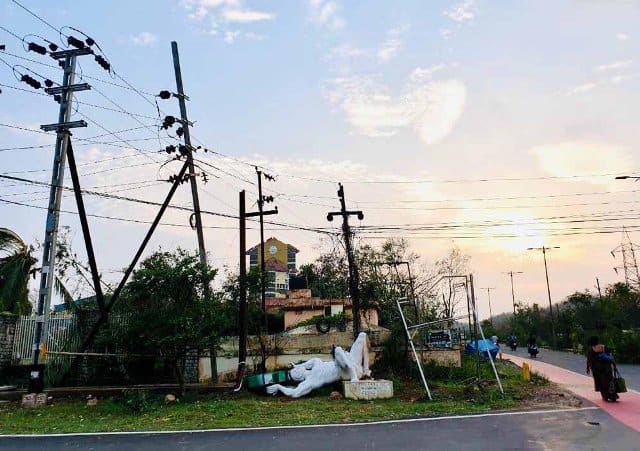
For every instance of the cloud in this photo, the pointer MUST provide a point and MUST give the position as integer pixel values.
(198, 13)
(625, 77)
(254, 36)
(430, 107)
(447, 33)
(603, 70)
(622, 36)
(613, 66)
(231, 36)
(222, 14)
(144, 39)
(462, 12)
(326, 13)
(392, 44)
(583, 158)
(345, 52)
(246, 16)
(580, 89)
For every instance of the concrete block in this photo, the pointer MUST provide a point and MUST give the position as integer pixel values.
(34, 400)
(370, 389)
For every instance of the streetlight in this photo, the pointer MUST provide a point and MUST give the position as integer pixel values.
(544, 250)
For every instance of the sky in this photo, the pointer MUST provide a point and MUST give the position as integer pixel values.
(489, 126)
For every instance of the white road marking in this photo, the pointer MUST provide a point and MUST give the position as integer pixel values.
(308, 426)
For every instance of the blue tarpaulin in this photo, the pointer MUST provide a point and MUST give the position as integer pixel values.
(483, 346)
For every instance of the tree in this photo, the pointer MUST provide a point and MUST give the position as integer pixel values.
(16, 265)
(169, 311)
(454, 264)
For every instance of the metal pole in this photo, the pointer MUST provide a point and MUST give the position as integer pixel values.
(116, 293)
(187, 140)
(53, 212)
(413, 349)
(599, 291)
(85, 227)
(546, 274)
(243, 327)
(493, 365)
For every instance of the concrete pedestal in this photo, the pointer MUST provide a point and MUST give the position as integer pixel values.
(31, 400)
(378, 389)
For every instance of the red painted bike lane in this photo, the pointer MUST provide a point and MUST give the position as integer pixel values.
(626, 410)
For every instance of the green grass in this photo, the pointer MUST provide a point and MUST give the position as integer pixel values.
(246, 409)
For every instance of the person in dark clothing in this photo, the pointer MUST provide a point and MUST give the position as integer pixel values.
(602, 369)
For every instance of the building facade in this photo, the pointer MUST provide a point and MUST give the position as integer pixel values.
(280, 264)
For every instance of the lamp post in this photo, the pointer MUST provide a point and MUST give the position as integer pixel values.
(544, 250)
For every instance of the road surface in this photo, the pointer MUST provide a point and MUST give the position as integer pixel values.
(577, 363)
(598, 426)
(589, 428)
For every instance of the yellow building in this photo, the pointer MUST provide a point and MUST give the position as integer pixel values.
(280, 262)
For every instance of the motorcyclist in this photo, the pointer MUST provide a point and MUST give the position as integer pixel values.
(532, 347)
(512, 341)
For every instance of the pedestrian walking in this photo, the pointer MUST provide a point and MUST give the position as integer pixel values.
(600, 363)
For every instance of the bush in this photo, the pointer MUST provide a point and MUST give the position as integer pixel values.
(627, 347)
(136, 400)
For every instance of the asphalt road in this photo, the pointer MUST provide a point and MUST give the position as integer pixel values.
(578, 364)
(574, 430)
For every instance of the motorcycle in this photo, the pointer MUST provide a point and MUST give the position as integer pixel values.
(533, 351)
(513, 345)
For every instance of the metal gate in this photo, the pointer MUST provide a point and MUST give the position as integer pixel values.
(60, 336)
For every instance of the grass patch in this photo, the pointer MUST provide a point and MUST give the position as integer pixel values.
(193, 411)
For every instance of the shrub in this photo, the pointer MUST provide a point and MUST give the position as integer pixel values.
(136, 400)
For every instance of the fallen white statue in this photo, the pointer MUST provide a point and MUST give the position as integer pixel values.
(349, 365)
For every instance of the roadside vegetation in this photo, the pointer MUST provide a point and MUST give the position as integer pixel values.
(452, 390)
(614, 317)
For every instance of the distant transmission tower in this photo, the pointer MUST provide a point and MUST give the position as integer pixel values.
(629, 262)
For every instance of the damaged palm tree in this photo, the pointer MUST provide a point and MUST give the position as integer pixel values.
(16, 265)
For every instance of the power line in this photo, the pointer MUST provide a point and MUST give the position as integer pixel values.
(24, 58)
(12, 34)
(153, 203)
(57, 30)
(487, 198)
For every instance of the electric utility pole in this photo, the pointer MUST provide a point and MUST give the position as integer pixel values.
(62, 127)
(489, 297)
(513, 296)
(354, 289)
(243, 326)
(261, 200)
(263, 268)
(544, 250)
(187, 141)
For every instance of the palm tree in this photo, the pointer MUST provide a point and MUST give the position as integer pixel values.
(16, 265)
